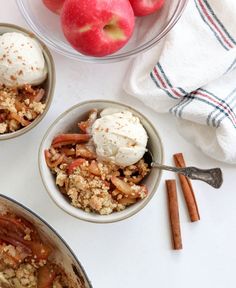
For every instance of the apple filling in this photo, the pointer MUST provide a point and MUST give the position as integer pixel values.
(25, 260)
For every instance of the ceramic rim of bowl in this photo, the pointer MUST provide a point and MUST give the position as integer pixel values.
(54, 232)
(102, 221)
(110, 58)
(51, 87)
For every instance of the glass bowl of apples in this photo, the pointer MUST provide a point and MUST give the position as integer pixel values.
(101, 31)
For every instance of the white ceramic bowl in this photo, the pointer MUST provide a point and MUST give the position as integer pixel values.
(48, 84)
(149, 30)
(67, 122)
(62, 252)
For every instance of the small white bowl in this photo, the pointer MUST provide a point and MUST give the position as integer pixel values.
(67, 122)
(62, 254)
(48, 84)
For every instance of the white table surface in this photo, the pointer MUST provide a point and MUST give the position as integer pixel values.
(135, 252)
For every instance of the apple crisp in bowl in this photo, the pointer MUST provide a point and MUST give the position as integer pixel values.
(27, 79)
(97, 178)
(24, 257)
(92, 161)
(32, 254)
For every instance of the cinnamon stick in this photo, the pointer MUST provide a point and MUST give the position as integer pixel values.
(187, 190)
(174, 214)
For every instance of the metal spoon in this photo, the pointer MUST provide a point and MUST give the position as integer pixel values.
(213, 177)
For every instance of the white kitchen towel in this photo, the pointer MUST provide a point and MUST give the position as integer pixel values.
(193, 77)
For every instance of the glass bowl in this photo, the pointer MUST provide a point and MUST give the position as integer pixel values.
(149, 30)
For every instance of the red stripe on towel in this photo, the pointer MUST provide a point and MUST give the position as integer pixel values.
(164, 84)
(221, 105)
(218, 30)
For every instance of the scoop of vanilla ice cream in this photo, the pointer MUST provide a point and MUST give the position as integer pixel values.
(119, 137)
(21, 60)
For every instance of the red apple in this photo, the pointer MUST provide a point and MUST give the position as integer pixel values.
(146, 7)
(54, 5)
(97, 27)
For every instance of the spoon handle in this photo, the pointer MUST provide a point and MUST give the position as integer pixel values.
(212, 176)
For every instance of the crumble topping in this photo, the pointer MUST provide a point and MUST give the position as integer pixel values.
(19, 107)
(25, 260)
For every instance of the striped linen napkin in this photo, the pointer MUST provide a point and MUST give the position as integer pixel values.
(193, 77)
